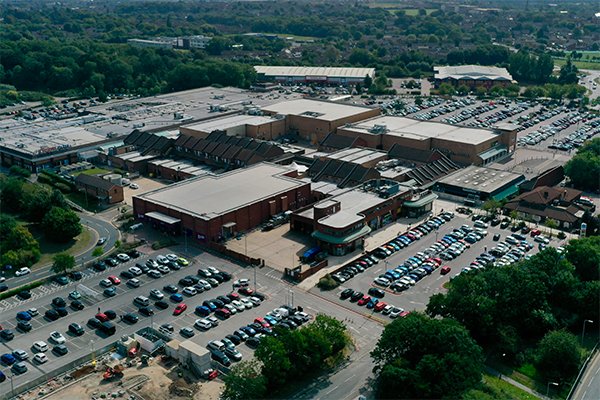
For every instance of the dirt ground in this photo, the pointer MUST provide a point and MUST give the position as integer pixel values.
(153, 382)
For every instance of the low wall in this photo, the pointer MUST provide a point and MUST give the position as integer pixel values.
(298, 275)
(234, 254)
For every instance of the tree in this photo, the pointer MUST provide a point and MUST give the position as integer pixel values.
(558, 356)
(368, 81)
(463, 90)
(419, 357)
(98, 251)
(446, 89)
(20, 238)
(245, 381)
(63, 262)
(585, 255)
(7, 224)
(551, 224)
(491, 205)
(61, 225)
(584, 168)
(481, 91)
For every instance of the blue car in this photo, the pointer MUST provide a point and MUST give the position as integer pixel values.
(8, 359)
(176, 297)
(212, 306)
(203, 310)
(248, 331)
(24, 315)
(272, 321)
(373, 302)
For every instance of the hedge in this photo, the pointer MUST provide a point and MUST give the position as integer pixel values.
(57, 178)
(13, 292)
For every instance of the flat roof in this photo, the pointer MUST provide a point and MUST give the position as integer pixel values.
(481, 179)
(473, 72)
(421, 130)
(318, 109)
(333, 72)
(209, 196)
(229, 122)
(357, 155)
(135, 156)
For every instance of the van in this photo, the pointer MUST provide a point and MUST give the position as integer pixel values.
(215, 345)
(481, 224)
(142, 301)
(135, 227)
(107, 328)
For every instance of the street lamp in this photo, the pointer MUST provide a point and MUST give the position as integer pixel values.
(548, 387)
(93, 354)
(583, 333)
(12, 388)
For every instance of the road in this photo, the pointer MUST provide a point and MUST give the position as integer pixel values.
(267, 281)
(99, 227)
(589, 385)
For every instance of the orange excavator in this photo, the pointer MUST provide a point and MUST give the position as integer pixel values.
(113, 372)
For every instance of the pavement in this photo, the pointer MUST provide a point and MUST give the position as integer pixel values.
(498, 375)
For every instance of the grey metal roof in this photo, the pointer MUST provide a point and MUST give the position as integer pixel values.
(315, 71)
(473, 72)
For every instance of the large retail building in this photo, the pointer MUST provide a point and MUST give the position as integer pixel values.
(316, 75)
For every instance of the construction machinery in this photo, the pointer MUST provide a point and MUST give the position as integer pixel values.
(113, 372)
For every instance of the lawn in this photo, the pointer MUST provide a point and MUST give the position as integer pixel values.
(579, 64)
(49, 249)
(504, 390)
(93, 171)
(395, 7)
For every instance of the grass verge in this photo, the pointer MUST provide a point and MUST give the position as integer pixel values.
(93, 171)
(50, 249)
(579, 64)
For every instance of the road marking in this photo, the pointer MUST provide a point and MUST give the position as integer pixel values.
(352, 377)
(333, 389)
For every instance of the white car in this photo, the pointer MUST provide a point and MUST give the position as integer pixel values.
(541, 239)
(134, 282)
(213, 270)
(255, 301)
(172, 257)
(106, 283)
(134, 186)
(75, 295)
(238, 305)
(164, 269)
(123, 257)
(231, 308)
(162, 259)
(247, 303)
(57, 337)
(2, 279)
(387, 309)
(33, 311)
(40, 346)
(22, 271)
(395, 313)
(382, 282)
(205, 284)
(136, 271)
(40, 358)
(241, 282)
(203, 324)
(157, 294)
(190, 291)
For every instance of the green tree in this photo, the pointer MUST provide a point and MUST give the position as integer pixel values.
(63, 262)
(481, 91)
(98, 251)
(558, 356)
(585, 255)
(584, 168)
(61, 225)
(491, 205)
(20, 238)
(245, 381)
(368, 81)
(419, 357)
(551, 224)
(7, 224)
(463, 90)
(447, 89)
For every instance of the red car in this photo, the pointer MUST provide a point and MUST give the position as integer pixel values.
(437, 260)
(101, 317)
(445, 270)
(114, 280)
(535, 232)
(262, 321)
(525, 229)
(246, 290)
(364, 300)
(380, 306)
(180, 308)
(404, 314)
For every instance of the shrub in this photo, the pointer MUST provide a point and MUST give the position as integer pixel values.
(167, 241)
(62, 187)
(16, 170)
(561, 235)
(327, 283)
(13, 292)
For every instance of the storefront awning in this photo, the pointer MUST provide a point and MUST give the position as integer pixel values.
(421, 202)
(365, 230)
(162, 217)
(491, 153)
(512, 189)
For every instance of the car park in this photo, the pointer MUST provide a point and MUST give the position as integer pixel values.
(161, 304)
(20, 354)
(60, 349)
(19, 368)
(203, 324)
(180, 308)
(134, 283)
(187, 332)
(130, 318)
(40, 346)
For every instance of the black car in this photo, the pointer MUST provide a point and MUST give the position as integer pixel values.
(256, 326)
(226, 275)
(110, 314)
(356, 296)
(193, 279)
(347, 293)
(62, 312)
(59, 302)
(221, 358)
(235, 339)
(94, 322)
(218, 278)
(199, 287)
(131, 318)
(163, 305)
(25, 326)
(25, 294)
(495, 222)
(77, 305)
(376, 292)
(185, 282)
(240, 335)
(170, 289)
(496, 237)
(147, 311)
(224, 299)
(76, 275)
(60, 349)
(143, 267)
(3, 287)
(134, 253)
(99, 267)
(52, 315)
(127, 275)
(62, 280)
(7, 334)
(173, 265)
(111, 262)
(259, 295)
(76, 329)
(218, 303)
(253, 342)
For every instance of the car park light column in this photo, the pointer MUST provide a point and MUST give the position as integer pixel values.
(93, 354)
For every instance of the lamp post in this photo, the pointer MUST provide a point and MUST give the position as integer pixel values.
(548, 387)
(93, 354)
(12, 388)
(583, 333)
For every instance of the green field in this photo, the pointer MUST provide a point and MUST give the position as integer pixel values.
(579, 64)
(93, 171)
(395, 7)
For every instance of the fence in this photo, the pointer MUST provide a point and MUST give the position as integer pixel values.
(299, 275)
(54, 375)
(218, 247)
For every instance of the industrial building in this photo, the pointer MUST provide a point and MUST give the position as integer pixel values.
(461, 144)
(472, 76)
(479, 183)
(252, 126)
(314, 75)
(211, 207)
